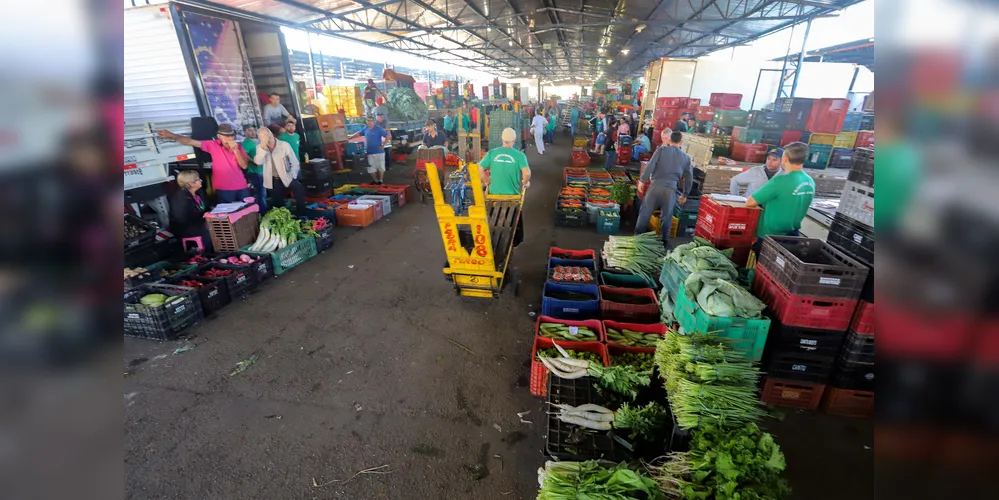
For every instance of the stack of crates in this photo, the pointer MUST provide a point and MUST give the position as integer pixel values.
(686, 215)
(852, 232)
(811, 290)
(500, 120)
(346, 98)
(728, 224)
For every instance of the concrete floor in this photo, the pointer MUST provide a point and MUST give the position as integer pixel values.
(358, 368)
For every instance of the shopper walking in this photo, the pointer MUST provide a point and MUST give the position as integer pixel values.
(538, 125)
(274, 111)
(550, 128)
(254, 171)
(509, 173)
(785, 198)
(375, 142)
(659, 182)
(228, 162)
(602, 130)
(450, 124)
(281, 168)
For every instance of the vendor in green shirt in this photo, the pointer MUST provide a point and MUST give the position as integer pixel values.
(785, 198)
(291, 137)
(509, 173)
(253, 171)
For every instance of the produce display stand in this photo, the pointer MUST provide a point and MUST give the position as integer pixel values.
(481, 269)
(164, 321)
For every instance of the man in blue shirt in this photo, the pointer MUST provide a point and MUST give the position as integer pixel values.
(375, 140)
(662, 177)
(642, 145)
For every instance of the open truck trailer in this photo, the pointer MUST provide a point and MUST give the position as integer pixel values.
(182, 65)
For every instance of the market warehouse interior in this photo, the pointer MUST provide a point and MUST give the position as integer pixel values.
(521, 249)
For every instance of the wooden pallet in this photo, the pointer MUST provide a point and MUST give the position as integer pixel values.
(503, 217)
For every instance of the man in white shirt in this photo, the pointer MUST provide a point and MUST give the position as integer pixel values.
(274, 111)
(755, 177)
(538, 125)
(281, 166)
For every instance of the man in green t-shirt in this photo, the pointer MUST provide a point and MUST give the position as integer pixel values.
(509, 173)
(253, 171)
(785, 198)
(291, 137)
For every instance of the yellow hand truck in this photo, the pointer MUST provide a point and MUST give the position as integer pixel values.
(478, 245)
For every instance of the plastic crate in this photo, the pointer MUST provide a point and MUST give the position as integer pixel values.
(853, 375)
(571, 219)
(740, 246)
(845, 140)
(727, 220)
(853, 120)
(853, 238)
(863, 318)
(147, 236)
(356, 216)
(587, 264)
(863, 168)
(815, 341)
(818, 156)
(789, 136)
(802, 310)
(842, 158)
(672, 276)
(848, 403)
(656, 328)
(858, 348)
(565, 441)
(827, 115)
(232, 231)
(570, 309)
(376, 204)
(723, 100)
(213, 295)
(621, 280)
(817, 139)
(730, 117)
(748, 135)
(804, 367)
(927, 334)
(324, 240)
(808, 266)
(539, 373)
(748, 335)
(592, 324)
(562, 253)
(750, 153)
(621, 311)
(608, 222)
(156, 268)
(262, 265)
(386, 201)
(769, 120)
(241, 282)
(792, 393)
(162, 322)
(865, 139)
(857, 203)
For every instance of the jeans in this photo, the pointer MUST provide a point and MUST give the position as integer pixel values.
(657, 198)
(232, 195)
(572, 129)
(637, 149)
(611, 159)
(279, 192)
(258, 191)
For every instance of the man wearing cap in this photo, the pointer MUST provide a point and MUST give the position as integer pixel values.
(254, 171)
(289, 135)
(508, 173)
(786, 198)
(755, 177)
(228, 162)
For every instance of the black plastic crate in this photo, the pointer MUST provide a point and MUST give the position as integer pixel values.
(814, 368)
(853, 238)
(842, 158)
(262, 265)
(163, 322)
(571, 219)
(241, 282)
(852, 375)
(862, 171)
(213, 294)
(784, 338)
(146, 236)
(808, 266)
(858, 348)
(571, 442)
(324, 240)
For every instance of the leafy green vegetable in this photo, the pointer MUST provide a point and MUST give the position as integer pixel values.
(642, 254)
(722, 298)
(591, 481)
(404, 104)
(644, 421)
(622, 379)
(700, 256)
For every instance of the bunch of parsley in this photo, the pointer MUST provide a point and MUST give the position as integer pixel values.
(741, 463)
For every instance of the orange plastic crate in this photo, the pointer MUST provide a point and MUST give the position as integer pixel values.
(355, 217)
(848, 403)
(792, 393)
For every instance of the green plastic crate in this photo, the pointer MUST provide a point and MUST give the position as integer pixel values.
(608, 224)
(623, 280)
(672, 276)
(731, 117)
(749, 335)
(292, 255)
(683, 215)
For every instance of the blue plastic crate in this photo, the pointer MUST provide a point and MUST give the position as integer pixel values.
(570, 309)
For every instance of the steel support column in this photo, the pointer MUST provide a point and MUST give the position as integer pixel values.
(801, 57)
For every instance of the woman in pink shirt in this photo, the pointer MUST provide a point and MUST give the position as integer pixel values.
(623, 128)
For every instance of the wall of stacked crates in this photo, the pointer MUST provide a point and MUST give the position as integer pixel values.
(832, 132)
(328, 150)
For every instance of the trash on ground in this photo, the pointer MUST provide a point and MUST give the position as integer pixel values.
(243, 365)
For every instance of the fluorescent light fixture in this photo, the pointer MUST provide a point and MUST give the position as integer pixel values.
(600, 50)
(510, 43)
(517, 68)
(625, 51)
(610, 61)
(523, 72)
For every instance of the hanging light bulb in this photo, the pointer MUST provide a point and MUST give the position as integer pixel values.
(625, 51)
(510, 43)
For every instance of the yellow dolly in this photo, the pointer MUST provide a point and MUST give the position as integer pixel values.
(478, 245)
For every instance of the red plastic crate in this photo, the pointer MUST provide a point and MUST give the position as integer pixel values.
(640, 313)
(693, 102)
(562, 253)
(741, 246)
(725, 100)
(986, 350)
(847, 403)
(623, 155)
(789, 136)
(802, 310)
(592, 324)
(865, 139)
(863, 318)
(539, 374)
(827, 116)
(657, 328)
(933, 334)
(728, 221)
(670, 102)
(792, 393)
(580, 159)
(705, 113)
(750, 153)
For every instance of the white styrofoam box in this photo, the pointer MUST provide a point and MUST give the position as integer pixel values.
(386, 201)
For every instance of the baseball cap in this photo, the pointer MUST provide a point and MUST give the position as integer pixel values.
(248, 126)
(509, 135)
(776, 153)
(226, 130)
